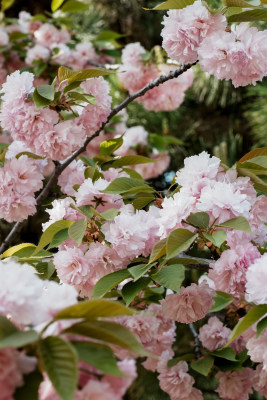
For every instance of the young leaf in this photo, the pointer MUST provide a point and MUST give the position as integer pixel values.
(261, 325)
(40, 101)
(139, 270)
(77, 230)
(59, 361)
(239, 223)
(13, 250)
(99, 356)
(254, 153)
(253, 315)
(179, 240)
(170, 277)
(55, 4)
(64, 73)
(50, 232)
(88, 73)
(46, 91)
(59, 238)
(131, 289)
(127, 160)
(199, 220)
(251, 15)
(83, 98)
(216, 238)
(94, 309)
(173, 4)
(73, 6)
(203, 366)
(226, 352)
(121, 185)
(110, 214)
(158, 250)
(109, 146)
(109, 281)
(222, 300)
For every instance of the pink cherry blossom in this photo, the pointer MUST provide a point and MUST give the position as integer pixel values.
(119, 385)
(176, 381)
(10, 374)
(48, 34)
(190, 305)
(93, 116)
(236, 385)
(229, 271)
(260, 380)
(90, 193)
(256, 279)
(72, 175)
(37, 52)
(214, 334)
(185, 29)
(257, 348)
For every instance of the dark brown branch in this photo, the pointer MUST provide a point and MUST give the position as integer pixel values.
(61, 167)
(196, 341)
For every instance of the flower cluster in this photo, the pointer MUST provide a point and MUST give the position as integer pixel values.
(193, 33)
(135, 74)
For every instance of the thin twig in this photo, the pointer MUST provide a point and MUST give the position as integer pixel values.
(196, 341)
(61, 167)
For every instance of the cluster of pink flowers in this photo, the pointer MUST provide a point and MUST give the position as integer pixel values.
(135, 74)
(20, 178)
(193, 33)
(42, 129)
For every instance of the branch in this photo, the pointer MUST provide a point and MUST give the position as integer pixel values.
(196, 340)
(61, 167)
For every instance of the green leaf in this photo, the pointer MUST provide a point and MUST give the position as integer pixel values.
(132, 173)
(109, 146)
(93, 309)
(46, 91)
(30, 155)
(139, 270)
(109, 35)
(55, 4)
(222, 300)
(30, 388)
(217, 238)
(238, 3)
(203, 366)
(59, 360)
(109, 281)
(199, 220)
(158, 250)
(121, 185)
(173, 4)
(131, 289)
(88, 74)
(5, 4)
(83, 98)
(64, 73)
(85, 210)
(253, 315)
(127, 160)
(59, 238)
(14, 36)
(45, 269)
(170, 277)
(77, 230)
(98, 355)
(187, 261)
(179, 240)
(40, 101)
(15, 249)
(50, 232)
(239, 223)
(251, 15)
(109, 332)
(227, 353)
(261, 326)
(142, 199)
(110, 214)
(72, 6)
(10, 336)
